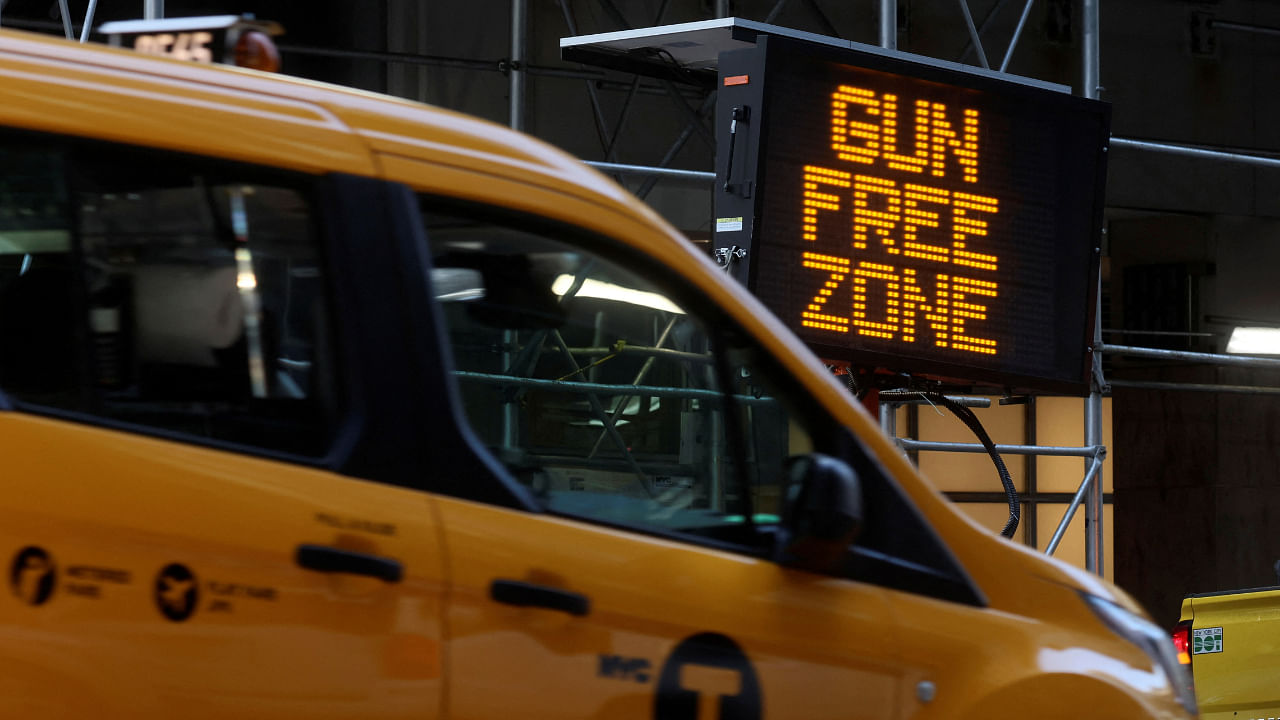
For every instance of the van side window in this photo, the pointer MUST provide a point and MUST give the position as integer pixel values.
(600, 391)
(163, 291)
(619, 398)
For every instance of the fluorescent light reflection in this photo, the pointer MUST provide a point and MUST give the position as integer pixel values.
(1254, 341)
(608, 291)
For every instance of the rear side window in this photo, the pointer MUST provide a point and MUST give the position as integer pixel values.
(164, 292)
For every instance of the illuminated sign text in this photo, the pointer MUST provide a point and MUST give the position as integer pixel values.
(914, 218)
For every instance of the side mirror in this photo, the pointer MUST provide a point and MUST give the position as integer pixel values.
(823, 514)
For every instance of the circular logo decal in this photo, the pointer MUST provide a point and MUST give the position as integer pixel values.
(33, 575)
(708, 676)
(176, 592)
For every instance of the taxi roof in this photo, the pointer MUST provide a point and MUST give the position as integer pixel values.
(381, 123)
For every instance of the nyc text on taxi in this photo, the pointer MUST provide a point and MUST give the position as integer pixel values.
(323, 404)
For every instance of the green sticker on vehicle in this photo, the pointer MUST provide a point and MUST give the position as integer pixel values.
(1206, 640)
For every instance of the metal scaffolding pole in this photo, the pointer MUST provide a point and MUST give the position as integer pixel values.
(1196, 152)
(982, 27)
(624, 169)
(1086, 487)
(66, 19)
(708, 105)
(88, 21)
(1196, 387)
(516, 78)
(973, 33)
(1017, 34)
(1093, 514)
(1196, 357)
(1053, 450)
(1093, 509)
(889, 24)
(519, 40)
(889, 419)
(1243, 27)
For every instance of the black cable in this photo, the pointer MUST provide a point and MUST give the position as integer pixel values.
(971, 420)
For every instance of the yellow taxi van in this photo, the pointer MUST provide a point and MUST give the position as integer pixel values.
(315, 403)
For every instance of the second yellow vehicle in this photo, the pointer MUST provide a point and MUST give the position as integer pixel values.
(315, 403)
(1228, 642)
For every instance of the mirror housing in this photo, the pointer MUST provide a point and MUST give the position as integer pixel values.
(823, 514)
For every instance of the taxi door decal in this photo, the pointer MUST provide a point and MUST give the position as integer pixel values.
(33, 575)
(176, 592)
(708, 677)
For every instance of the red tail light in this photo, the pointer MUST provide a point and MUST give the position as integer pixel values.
(1182, 642)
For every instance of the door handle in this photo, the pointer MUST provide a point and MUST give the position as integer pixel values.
(323, 558)
(523, 594)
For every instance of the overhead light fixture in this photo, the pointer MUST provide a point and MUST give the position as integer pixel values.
(1254, 341)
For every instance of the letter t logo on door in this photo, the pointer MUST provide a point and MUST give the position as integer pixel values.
(712, 685)
(708, 677)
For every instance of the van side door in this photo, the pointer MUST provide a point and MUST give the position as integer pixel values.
(181, 409)
(652, 444)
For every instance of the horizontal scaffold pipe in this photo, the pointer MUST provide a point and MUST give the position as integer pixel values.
(589, 388)
(1196, 152)
(650, 170)
(1188, 356)
(1195, 387)
(1087, 451)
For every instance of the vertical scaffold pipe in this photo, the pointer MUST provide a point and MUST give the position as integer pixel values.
(889, 24)
(516, 72)
(1093, 515)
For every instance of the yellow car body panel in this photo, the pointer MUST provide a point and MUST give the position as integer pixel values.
(115, 511)
(1235, 652)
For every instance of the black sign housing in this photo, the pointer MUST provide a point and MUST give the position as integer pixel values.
(912, 216)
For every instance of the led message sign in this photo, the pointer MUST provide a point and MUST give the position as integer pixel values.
(205, 40)
(912, 216)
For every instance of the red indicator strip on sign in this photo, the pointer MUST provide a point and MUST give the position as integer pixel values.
(737, 80)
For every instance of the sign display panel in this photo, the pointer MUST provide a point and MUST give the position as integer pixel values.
(913, 217)
(205, 40)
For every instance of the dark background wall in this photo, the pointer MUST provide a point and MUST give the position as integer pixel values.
(1197, 494)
